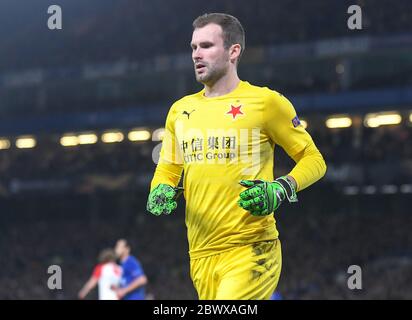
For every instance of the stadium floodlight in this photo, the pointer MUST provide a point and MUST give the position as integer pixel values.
(304, 123)
(374, 120)
(112, 137)
(340, 68)
(369, 189)
(4, 143)
(389, 189)
(139, 135)
(351, 190)
(158, 134)
(69, 141)
(338, 122)
(25, 142)
(87, 138)
(406, 188)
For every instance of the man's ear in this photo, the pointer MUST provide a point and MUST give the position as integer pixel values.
(234, 52)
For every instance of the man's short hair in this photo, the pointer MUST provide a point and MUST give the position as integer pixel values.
(107, 255)
(233, 32)
(126, 243)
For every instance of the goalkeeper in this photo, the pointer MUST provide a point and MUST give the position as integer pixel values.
(223, 138)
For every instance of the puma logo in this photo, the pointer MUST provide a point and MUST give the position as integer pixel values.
(188, 113)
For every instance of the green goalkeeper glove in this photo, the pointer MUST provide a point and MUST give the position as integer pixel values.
(162, 199)
(262, 197)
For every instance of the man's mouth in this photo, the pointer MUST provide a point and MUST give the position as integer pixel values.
(200, 67)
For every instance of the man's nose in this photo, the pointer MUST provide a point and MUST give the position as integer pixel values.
(196, 54)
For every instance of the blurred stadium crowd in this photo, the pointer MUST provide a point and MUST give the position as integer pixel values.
(382, 155)
(319, 244)
(91, 31)
(42, 69)
(62, 205)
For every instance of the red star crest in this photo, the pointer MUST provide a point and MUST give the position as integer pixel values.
(234, 111)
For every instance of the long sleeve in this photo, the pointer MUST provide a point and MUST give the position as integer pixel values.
(170, 167)
(283, 126)
(310, 166)
(168, 174)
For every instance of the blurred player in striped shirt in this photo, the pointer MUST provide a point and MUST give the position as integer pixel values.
(107, 275)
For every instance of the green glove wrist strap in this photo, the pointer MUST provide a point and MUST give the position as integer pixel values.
(288, 188)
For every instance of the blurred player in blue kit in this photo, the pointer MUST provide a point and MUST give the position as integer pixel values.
(132, 285)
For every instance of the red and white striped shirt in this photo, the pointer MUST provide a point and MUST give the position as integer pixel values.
(109, 276)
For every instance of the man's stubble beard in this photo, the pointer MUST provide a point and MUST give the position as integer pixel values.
(212, 75)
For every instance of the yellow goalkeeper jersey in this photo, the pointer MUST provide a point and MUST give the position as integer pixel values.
(217, 142)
